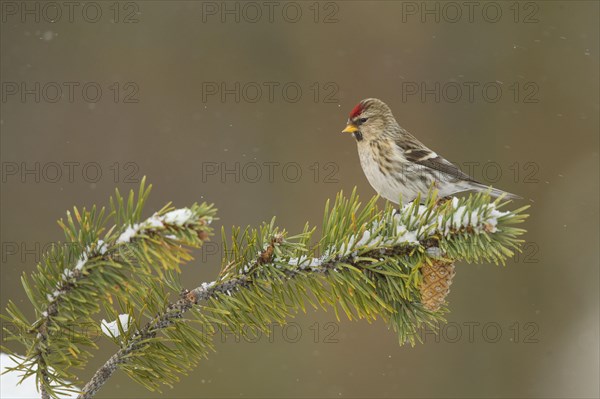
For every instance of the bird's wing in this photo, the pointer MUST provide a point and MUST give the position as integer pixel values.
(415, 151)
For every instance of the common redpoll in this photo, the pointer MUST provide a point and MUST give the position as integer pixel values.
(397, 164)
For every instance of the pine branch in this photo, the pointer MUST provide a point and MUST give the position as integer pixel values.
(239, 278)
(368, 263)
(73, 281)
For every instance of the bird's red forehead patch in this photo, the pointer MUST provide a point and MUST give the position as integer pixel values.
(356, 110)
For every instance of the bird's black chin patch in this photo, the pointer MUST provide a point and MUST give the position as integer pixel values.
(358, 135)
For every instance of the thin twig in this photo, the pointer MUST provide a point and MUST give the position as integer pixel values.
(43, 390)
(102, 375)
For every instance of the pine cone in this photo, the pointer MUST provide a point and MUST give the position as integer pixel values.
(437, 278)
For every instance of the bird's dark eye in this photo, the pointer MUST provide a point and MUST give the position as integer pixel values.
(363, 120)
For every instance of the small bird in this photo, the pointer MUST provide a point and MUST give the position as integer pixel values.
(399, 166)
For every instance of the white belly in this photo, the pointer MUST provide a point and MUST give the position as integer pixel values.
(405, 183)
(387, 186)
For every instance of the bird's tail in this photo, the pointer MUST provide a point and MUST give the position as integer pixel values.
(495, 192)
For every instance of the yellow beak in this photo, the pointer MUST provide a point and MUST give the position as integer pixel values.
(350, 128)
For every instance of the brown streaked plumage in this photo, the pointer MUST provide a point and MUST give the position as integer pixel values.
(399, 166)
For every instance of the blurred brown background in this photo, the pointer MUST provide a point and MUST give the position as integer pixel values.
(529, 329)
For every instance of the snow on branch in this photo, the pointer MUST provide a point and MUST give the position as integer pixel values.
(368, 263)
